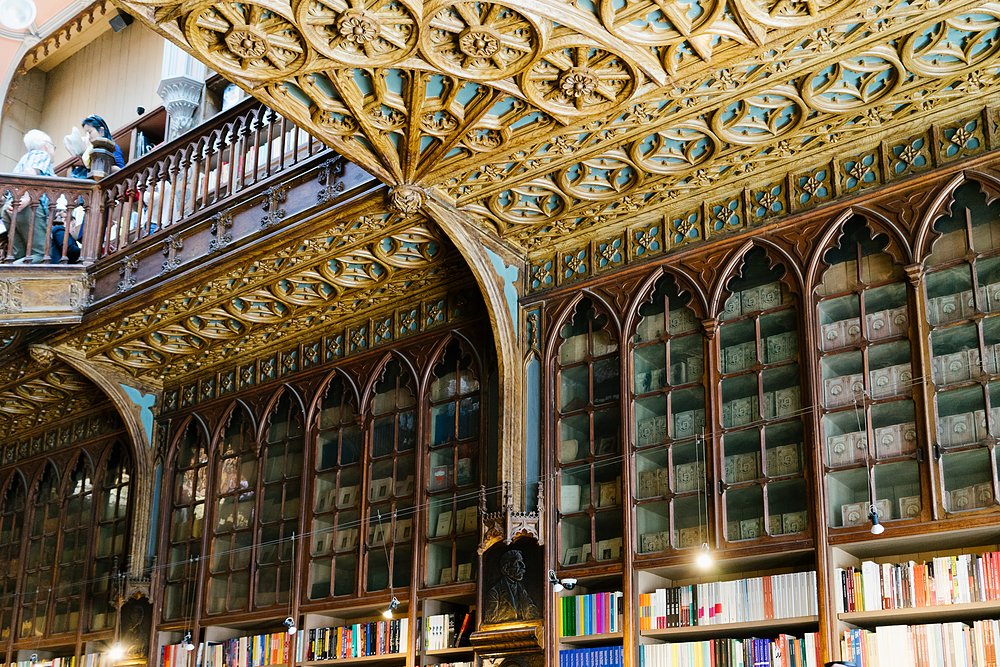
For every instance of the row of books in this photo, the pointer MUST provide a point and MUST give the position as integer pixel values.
(254, 651)
(942, 581)
(446, 630)
(745, 600)
(453, 664)
(604, 656)
(785, 651)
(359, 640)
(933, 645)
(594, 614)
(88, 660)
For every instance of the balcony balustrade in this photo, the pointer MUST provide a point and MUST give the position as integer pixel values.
(180, 203)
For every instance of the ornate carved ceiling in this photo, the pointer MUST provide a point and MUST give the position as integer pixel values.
(542, 118)
(38, 390)
(357, 265)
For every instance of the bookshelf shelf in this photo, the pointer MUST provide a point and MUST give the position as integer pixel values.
(587, 640)
(788, 625)
(371, 659)
(455, 650)
(933, 614)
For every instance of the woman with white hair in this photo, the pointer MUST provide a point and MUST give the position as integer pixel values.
(36, 162)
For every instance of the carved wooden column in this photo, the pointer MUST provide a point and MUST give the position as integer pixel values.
(916, 273)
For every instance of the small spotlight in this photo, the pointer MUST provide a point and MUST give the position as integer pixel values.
(554, 580)
(704, 558)
(116, 653)
(877, 528)
(187, 642)
(290, 625)
(392, 607)
(569, 584)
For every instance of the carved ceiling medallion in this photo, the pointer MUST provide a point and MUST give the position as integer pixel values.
(572, 80)
(252, 41)
(483, 41)
(359, 32)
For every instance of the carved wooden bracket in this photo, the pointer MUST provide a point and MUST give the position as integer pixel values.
(501, 640)
(508, 524)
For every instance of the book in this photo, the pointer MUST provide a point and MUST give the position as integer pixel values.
(444, 524)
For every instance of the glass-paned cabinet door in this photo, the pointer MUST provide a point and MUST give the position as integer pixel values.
(11, 527)
(111, 539)
(280, 494)
(336, 509)
(234, 503)
(761, 408)
(187, 523)
(588, 431)
(963, 303)
(668, 399)
(39, 566)
(390, 479)
(453, 473)
(868, 416)
(71, 573)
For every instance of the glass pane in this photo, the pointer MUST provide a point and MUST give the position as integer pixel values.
(653, 527)
(968, 480)
(786, 507)
(955, 353)
(961, 417)
(744, 513)
(897, 488)
(949, 293)
(840, 322)
(848, 496)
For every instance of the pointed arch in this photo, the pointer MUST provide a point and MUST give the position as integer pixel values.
(941, 205)
(733, 268)
(434, 358)
(272, 404)
(568, 312)
(238, 406)
(315, 403)
(897, 243)
(377, 375)
(647, 288)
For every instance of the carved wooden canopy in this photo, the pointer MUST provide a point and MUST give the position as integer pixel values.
(541, 120)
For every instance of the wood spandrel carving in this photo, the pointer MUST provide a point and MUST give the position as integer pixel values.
(710, 116)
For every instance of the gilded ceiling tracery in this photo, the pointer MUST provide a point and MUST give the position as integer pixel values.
(355, 265)
(34, 392)
(539, 119)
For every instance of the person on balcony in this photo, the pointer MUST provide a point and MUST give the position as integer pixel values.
(94, 127)
(36, 162)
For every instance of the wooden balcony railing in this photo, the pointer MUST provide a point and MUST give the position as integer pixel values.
(65, 202)
(215, 163)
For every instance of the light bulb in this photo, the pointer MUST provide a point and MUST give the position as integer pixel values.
(392, 607)
(186, 642)
(116, 653)
(17, 14)
(704, 559)
(877, 528)
(557, 587)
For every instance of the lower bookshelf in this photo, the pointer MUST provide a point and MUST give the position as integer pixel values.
(735, 629)
(363, 660)
(938, 613)
(591, 640)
